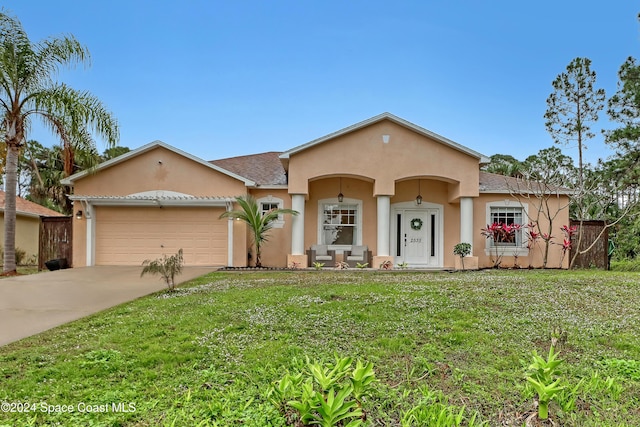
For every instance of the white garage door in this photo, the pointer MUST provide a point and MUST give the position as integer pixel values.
(129, 235)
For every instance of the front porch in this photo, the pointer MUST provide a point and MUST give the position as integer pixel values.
(340, 212)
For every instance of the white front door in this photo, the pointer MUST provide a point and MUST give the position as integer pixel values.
(417, 237)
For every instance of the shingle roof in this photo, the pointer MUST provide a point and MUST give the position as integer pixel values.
(26, 207)
(262, 168)
(495, 183)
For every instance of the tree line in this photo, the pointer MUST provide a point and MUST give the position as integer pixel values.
(608, 190)
(41, 169)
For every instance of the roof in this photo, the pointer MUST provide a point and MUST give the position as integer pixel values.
(262, 168)
(150, 146)
(495, 183)
(26, 208)
(395, 119)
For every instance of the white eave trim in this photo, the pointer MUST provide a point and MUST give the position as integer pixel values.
(270, 187)
(133, 153)
(33, 214)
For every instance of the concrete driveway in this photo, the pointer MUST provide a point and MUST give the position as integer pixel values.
(34, 303)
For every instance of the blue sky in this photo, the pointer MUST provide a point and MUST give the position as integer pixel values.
(226, 78)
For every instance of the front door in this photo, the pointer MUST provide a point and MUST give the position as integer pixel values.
(417, 238)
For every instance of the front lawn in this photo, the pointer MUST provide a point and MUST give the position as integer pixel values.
(442, 344)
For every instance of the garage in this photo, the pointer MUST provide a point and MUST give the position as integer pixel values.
(153, 201)
(129, 235)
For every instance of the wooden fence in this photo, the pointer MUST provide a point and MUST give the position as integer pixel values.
(598, 256)
(55, 240)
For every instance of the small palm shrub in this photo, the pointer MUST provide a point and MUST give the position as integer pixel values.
(166, 267)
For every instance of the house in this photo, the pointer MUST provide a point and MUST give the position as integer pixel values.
(157, 199)
(28, 219)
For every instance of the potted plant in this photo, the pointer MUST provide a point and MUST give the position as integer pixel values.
(462, 250)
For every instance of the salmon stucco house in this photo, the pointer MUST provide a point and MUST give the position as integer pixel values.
(357, 187)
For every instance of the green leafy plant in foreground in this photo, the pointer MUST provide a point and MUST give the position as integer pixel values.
(325, 395)
(166, 267)
(544, 378)
(318, 265)
(433, 410)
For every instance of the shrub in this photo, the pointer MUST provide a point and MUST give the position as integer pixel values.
(166, 267)
(21, 255)
(324, 394)
(462, 250)
(544, 378)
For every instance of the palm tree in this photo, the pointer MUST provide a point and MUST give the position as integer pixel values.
(258, 223)
(28, 90)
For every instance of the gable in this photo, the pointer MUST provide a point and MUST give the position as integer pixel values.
(390, 118)
(158, 168)
(361, 151)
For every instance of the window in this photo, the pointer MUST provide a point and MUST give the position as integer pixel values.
(268, 203)
(265, 207)
(508, 217)
(340, 223)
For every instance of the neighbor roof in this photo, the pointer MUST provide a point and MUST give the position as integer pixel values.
(387, 116)
(27, 208)
(265, 169)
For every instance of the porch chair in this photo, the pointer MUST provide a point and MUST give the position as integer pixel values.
(358, 255)
(321, 253)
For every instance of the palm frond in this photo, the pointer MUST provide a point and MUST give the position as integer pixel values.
(258, 224)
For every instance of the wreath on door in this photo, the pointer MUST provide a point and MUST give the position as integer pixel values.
(416, 224)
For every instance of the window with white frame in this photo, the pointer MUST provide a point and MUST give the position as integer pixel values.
(266, 207)
(509, 221)
(505, 226)
(340, 223)
(269, 203)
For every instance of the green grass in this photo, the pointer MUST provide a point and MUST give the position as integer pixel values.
(25, 269)
(626, 265)
(208, 353)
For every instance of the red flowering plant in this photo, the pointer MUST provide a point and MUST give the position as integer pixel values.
(512, 229)
(568, 240)
(500, 234)
(532, 238)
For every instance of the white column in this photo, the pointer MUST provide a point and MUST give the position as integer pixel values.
(466, 221)
(91, 235)
(297, 228)
(384, 209)
(229, 237)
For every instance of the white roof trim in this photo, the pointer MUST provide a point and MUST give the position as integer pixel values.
(154, 198)
(133, 153)
(388, 116)
(33, 214)
(27, 214)
(271, 187)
